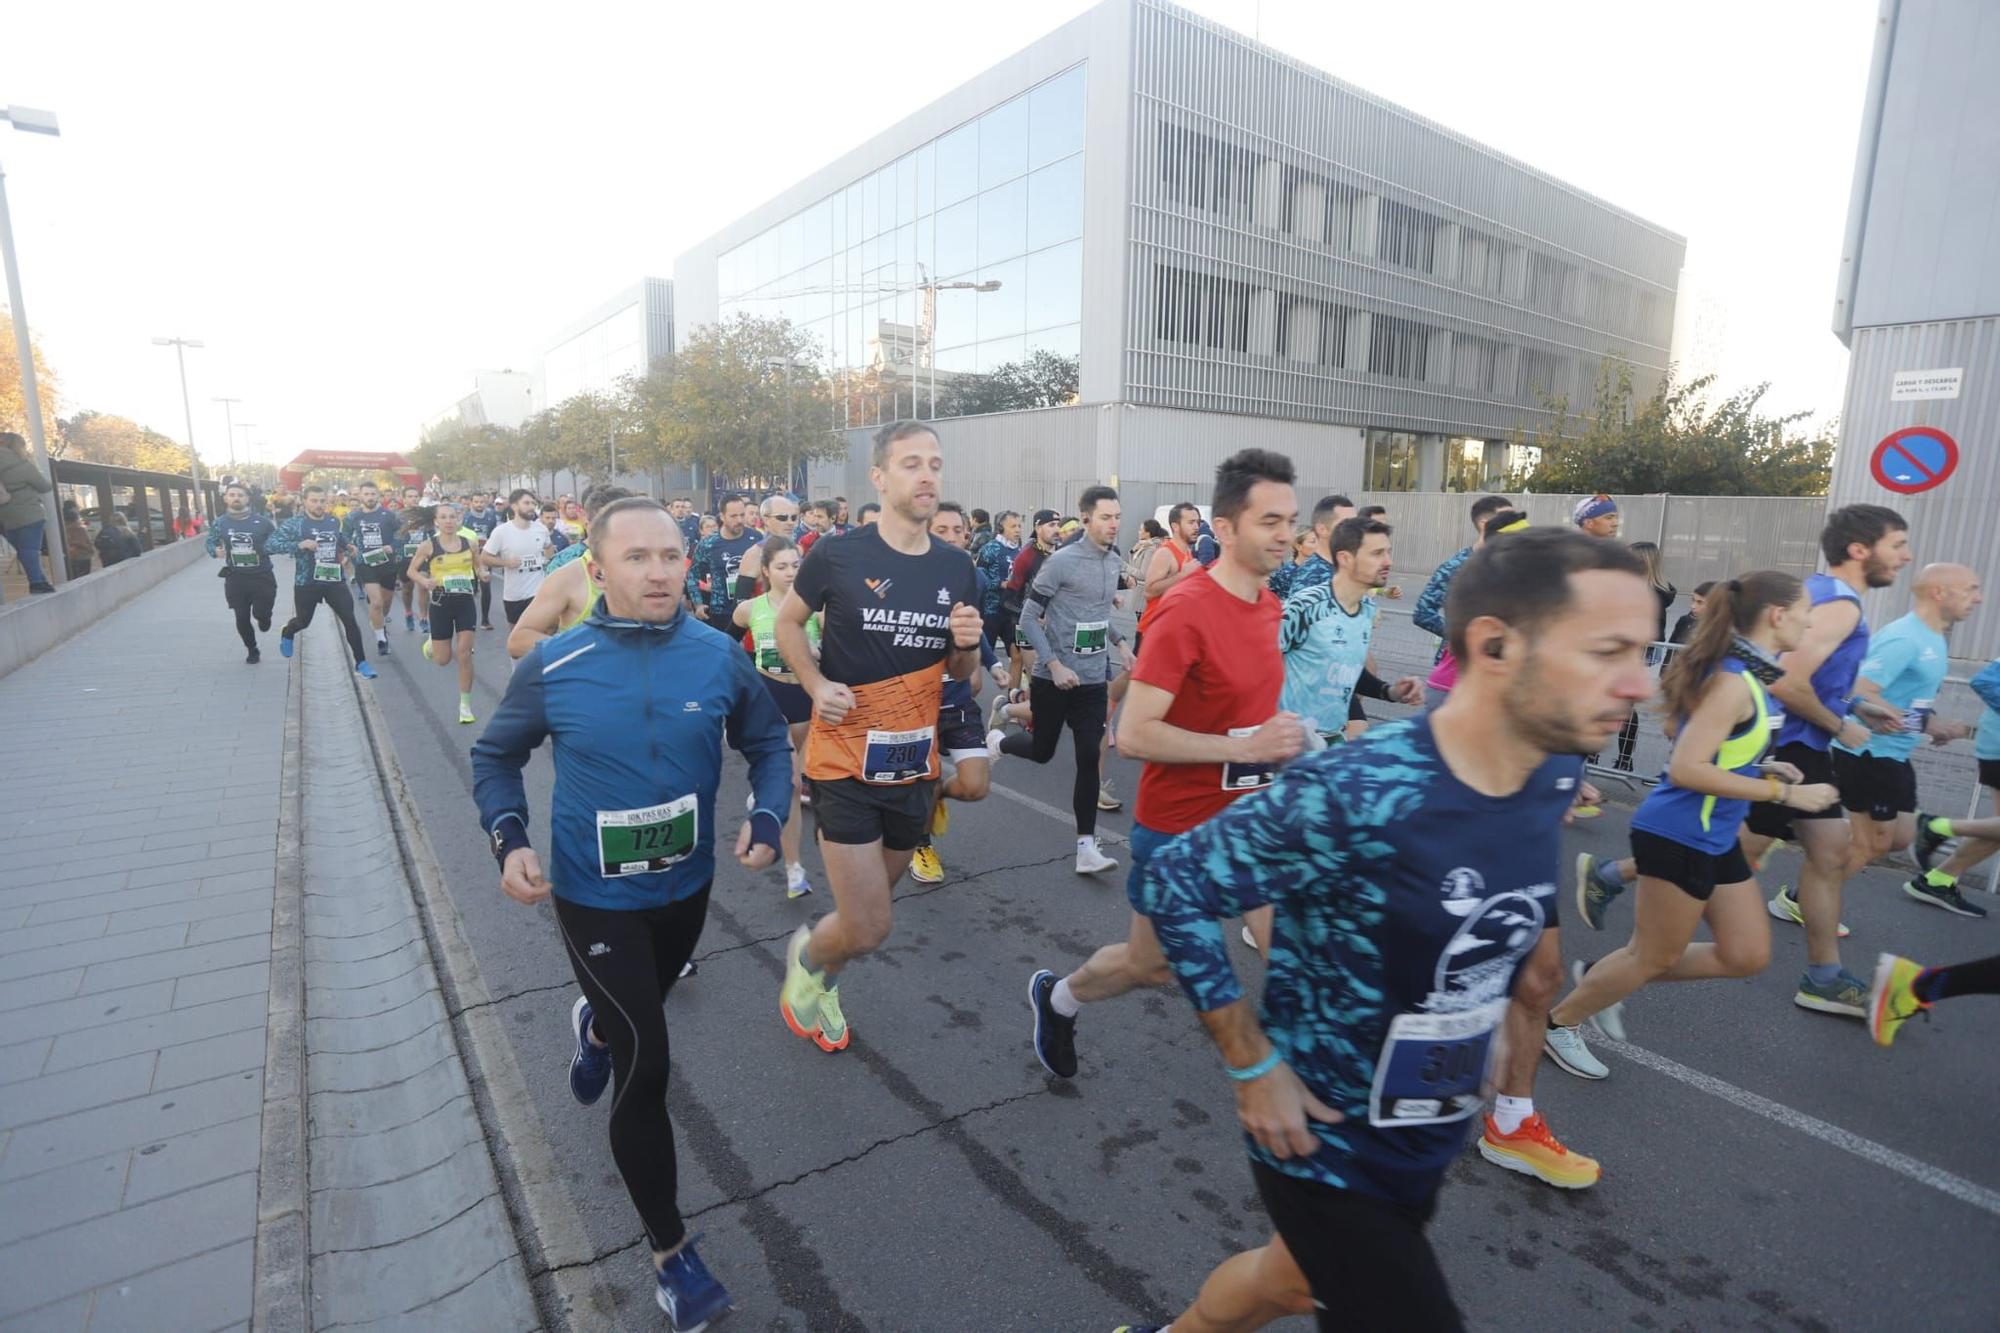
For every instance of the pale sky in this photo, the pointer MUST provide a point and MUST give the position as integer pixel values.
(357, 209)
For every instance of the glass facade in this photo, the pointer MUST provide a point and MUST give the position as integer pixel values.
(871, 272)
(596, 357)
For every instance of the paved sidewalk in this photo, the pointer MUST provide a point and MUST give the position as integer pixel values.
(137, 872)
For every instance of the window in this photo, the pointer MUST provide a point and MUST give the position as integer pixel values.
(1548, 281)
(1003, 222)
(1003, 313)
(1201, 309)
(1536, 374)
(1054, 286)
(1398, 347)
(1474, 360)
(1003, 143)
(1055, 118)
(1055, 203)
(958, 239)
(1391, 461)
(1407, 236)
(958, 164)
(1465, 465)
(1204, 172)
(1481, 260)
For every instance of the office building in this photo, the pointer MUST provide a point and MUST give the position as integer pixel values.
(622, 336)
(1146, 241)
(498, 398)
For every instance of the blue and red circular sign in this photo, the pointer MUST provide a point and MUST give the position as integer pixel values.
(1913, 459)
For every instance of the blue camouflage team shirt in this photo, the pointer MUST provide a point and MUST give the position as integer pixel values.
(1325, 650)
(1405, 905)
(1288, 579)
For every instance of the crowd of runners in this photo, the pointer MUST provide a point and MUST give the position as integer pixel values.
(1401, 880)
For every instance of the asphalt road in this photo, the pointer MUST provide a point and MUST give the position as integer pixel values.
(1765, 1167)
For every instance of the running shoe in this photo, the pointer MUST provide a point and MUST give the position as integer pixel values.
(996, 718)
(425, 650)
(264, 624)
(423, 624)
(796, 883)
(486, 624)
(1924, 851)
(464, 709)
(993, 739)
(1250, 939)
(810, 1007)
(688, 969)
(1567, 1048)
(1585, 811)
(940, 817)
(1777, 845)
(688, 1292)
(590, 1067)
(1106, 798)
(1846, 995)
(253, 658)
(382, 645)
(1609, 1020)
(1091, 861)
(1785, 907)
(833, 1031)
(285, 645)
(409, 623)
(1946, 896)
(365, 670)
(1595, 891)
(1893, 1001)
(925, 868)
(1533, 1150)
(1055, 1035)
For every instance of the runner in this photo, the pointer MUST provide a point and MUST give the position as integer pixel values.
(520, 547)
(1429, 611)
(1317, 568)
(1982, 836)
(1904, 669)
(249, 585)
(412, 534)
(717, 559)
(1865, 546)
(480, 518)
(1684, 835)
(1066, 618)
(318, 548)
(1327, 629)
(996, 563)
(686, 519)
(895, 604)
(1412, 873)
(759, 615)
(1047, 530)
(446, 568)
(567, 592)
(371, 531)
(968, 764)
(1904, 989)
(1202, 716)
(632, 841)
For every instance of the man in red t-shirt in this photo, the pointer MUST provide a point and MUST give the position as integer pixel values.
(1202, 713)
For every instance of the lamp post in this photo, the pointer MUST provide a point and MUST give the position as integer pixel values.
(180, 346)
(229, 426)
(31, 121)
(246, 427)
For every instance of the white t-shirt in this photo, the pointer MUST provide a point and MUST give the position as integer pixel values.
(532, 546)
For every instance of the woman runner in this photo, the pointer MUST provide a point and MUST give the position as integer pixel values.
(444, 567)
(759, 615)
(1684, 835)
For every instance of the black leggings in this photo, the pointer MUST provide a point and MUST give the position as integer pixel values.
(306, 598)
(1945, 983)
(1083, 708)
(1366, 1259)
(626, 982)
(253, 592)
(485, 601)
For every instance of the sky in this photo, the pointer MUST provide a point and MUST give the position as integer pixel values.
(356, 208)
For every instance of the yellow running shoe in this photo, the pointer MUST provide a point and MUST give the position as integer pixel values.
(426, 649)
(1785, 907)
(798, 998)
(940, 818)
(1533, 1151)
(832, 1035)
(925, 868)
(1892, 1001)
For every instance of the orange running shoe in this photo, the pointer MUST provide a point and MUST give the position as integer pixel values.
(1533, 1151)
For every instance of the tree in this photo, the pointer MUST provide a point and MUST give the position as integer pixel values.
(743, 397)
(102, 437)
(1045, 379)
(1676, 441)
(471, 455)
(13, 403)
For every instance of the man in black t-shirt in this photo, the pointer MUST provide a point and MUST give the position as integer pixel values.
(895, 605)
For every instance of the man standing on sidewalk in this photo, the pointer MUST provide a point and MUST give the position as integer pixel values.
(248, 583)
(314, 540)
(632, 835)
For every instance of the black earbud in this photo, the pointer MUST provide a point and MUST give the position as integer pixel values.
(1496, 648)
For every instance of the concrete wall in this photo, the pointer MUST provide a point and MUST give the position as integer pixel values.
(30, 628)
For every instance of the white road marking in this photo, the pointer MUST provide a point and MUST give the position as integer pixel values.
(1063, 817)
(1923, 1173)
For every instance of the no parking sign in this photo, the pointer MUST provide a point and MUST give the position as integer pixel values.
(1914, 459)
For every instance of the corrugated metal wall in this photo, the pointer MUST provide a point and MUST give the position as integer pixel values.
(1960, 520)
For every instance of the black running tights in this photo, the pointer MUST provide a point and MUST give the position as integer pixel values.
(306, 598)
(1083, 708)
(626, 962)
(253, 592)
(1944, 983)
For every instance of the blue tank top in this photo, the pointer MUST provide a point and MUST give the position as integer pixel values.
(1709, 823)
(1834, 681)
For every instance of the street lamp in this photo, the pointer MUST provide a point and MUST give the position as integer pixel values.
(180, 346)
(246, 427)
(229, 427)
(31, 121)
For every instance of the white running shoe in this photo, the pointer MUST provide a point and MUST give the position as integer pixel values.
(1609, 1020)
(1091, 861)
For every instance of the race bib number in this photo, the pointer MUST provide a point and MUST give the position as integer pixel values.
(410, 548)
(894, 757)
(1246, 777)
(370, 538)
(1021, 638)
(1431, 1067)
(324, 572)
(457, 583)
(377, 555)
(639, 842)
(768, 657)
(531, 563)
(1092, 637)
(243, 551)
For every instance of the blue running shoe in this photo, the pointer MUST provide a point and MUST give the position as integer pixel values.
(366, 670)
(688, 1292)
(409, 624)
(285, 644)
(590, 1067)
(424, 625)
(1055, 1034)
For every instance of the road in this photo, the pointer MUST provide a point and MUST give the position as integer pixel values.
(1764, 1167)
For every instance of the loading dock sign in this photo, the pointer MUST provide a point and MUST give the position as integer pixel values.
(1913, 386)
(1914, 459)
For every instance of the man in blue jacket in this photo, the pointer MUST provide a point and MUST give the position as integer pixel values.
(632, 834)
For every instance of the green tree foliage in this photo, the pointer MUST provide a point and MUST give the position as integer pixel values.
(1678, 442)
(1044, 379)
(471, 455)
(101, 437)
(744, 396)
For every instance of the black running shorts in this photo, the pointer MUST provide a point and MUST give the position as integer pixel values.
(854, 813)
(1772, 820)
(1366, 1259)
(1877, 787)
(1989, 773)
(454, 613)
(1689, 869)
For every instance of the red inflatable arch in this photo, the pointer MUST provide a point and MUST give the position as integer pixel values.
(293, 474)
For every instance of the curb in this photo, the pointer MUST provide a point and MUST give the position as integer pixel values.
(281, 1266)
(551, 1236)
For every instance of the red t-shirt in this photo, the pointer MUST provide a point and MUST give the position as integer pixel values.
(1218, 656)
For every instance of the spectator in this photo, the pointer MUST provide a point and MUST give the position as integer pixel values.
(1597, 516)
(707, 526)
(1684, 627)
(982, 530)
(869, 513)
(76, 540)
(1151, 534)
(116, 541)
(1665, 592)
(22, 486)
